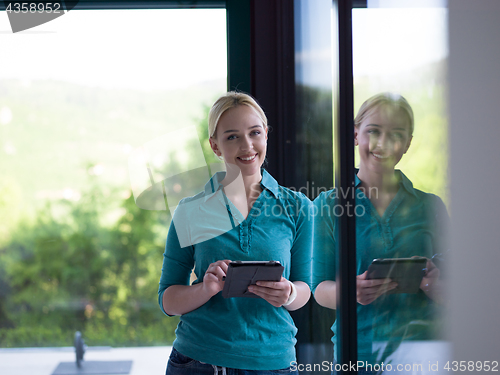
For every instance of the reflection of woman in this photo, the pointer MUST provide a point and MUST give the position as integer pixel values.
(268, 222)
(393, 220)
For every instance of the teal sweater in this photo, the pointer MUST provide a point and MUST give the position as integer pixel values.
(244, 333)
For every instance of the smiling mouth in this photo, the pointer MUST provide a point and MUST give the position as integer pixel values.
(381, 157)
(248, 158)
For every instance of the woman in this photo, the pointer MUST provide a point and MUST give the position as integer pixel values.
(393, 220)
(242, 214)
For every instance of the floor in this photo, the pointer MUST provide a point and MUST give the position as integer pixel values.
(43, 361)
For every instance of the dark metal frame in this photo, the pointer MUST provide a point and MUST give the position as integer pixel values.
(239, 52)
(261, 62)
(273, 83)
(344, 178)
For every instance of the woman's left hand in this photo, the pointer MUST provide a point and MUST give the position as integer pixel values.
(274, 292)
(432, 285)
(431, 277)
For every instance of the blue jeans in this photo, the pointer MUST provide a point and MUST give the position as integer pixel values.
(179, 364)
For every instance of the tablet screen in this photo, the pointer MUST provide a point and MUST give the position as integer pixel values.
(240, 275)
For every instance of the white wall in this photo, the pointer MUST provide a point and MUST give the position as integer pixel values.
(474, 107)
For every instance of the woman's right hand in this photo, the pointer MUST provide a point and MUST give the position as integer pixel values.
(368, 291)
(212, 281)
(181, 299)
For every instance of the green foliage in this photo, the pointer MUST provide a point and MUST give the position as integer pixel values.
(10, 201)
(92, 264)
(69, 272)
(96, 333)
(40, 336)
(116, 334)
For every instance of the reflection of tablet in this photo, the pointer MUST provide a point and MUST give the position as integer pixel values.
(407, 272)
(241, 274)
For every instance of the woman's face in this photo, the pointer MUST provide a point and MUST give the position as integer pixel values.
(383, 138)
(241, 140)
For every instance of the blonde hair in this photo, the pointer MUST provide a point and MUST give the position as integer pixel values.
(394, 102)
(230, 100)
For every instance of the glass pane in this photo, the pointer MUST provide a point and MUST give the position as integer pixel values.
(313, 80)
(99, 110)
(400, 191)
(313, 108)
(404, 51)
(401, 52)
